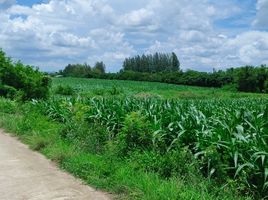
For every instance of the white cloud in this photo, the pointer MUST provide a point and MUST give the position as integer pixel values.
(4, 4)
(252, 47)
(262, 14)
(59, 32)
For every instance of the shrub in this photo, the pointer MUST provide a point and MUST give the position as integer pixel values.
(135, 134)
(29, 81)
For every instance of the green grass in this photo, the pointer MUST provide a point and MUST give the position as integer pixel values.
(97, 87)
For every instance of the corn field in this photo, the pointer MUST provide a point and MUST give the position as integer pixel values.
(227, 137)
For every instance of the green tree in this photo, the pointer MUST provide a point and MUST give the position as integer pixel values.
(247, 79)
(99, 68)
(175, 62)
(26, 80)
(76, 70)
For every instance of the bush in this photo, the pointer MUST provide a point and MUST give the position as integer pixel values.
(135, 134)
(31, 83)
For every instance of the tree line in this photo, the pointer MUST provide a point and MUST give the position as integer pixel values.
(83, 70)
(158, 62)
(166, 68)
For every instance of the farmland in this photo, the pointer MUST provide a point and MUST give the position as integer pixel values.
(97, 87)
(144, 140)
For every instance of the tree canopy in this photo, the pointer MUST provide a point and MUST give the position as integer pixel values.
(152, 63)
(21, 80)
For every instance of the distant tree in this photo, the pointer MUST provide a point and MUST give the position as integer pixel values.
(247, 79)
(262, 77)
(99, 68)
(158, 62)
(175, 62)
(76, 70)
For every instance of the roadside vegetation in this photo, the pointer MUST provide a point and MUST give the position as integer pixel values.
(18, 81)
(142, 140)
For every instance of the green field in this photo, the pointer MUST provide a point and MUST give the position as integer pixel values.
(96, 87)
(143, 140)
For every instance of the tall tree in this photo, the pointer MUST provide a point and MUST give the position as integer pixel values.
(99, 67)
(175, 62)
(158, 62)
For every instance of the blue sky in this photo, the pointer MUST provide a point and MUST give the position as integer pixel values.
(205, 34)
(29, 2)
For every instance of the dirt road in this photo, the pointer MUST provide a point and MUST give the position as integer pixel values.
(27, 175)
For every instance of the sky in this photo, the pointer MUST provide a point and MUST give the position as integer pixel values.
(205, 34)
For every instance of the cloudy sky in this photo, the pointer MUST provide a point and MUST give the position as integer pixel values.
(205, 34)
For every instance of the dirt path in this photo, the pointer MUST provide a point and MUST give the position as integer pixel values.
(27, 175)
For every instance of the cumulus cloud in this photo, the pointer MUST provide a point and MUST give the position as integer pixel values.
(53, 34)
(262, 14)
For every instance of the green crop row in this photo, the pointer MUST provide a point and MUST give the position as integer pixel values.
(227, 139)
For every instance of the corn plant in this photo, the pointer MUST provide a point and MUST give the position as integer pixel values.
(228, 137)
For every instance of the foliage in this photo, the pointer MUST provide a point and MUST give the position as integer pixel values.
(30, 83)
(7, 106)
(245, 79)
(8, 91)
(227, 137)
(135, 134)
(165, 68)
(100, 87)
(130, 179)
(65, 90)
(99, 68)
(252, 79)
(83, 70)
(158, 62)
(76, 70)
(219, 142)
